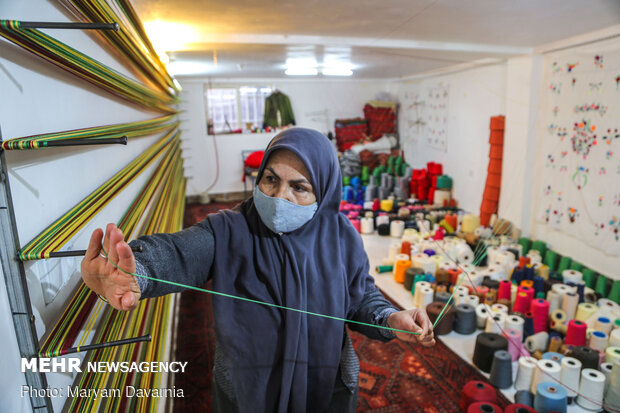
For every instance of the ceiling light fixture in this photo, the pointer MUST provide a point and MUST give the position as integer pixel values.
(336, 71)
(180, 68)
(301, 66)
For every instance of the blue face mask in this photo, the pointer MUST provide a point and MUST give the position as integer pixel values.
(280, 215)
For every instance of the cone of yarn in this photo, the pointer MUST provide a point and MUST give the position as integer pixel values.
(576, 333)
(477, 391)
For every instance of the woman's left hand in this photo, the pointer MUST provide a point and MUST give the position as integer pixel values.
(415, 320)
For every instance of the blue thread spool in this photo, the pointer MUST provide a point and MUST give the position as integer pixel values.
(429, 252)
(550, 355)
(355, 182)
(550, 397)
(539, 284)
(517, 275)
(528, 273)
(430, 278)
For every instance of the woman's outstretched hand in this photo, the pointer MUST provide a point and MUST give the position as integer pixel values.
(100, 275)
(415, 320)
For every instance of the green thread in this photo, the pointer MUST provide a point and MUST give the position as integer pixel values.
(255, 301)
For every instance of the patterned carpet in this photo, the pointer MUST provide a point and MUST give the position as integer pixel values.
(394, 376)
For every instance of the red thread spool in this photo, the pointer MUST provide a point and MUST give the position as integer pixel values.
(405, 248)
(482, 290)
(504, 290)
(376, 204)
(454, 274)
(519, 408)
(576, 333)
(521, 303)
(540, 312)
(484, 407)
(356, 224)
(529, 291)
(477, 391)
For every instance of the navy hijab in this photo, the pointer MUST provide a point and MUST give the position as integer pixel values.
(282, 360)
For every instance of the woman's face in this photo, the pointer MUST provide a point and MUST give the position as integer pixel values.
(286, 177)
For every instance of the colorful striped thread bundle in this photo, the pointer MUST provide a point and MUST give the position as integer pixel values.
(57, 234)
(130, 130)
(130, 40)
(85, 67)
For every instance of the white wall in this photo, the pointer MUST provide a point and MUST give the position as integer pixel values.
(37, 97)
(474, 96)
(316, 104)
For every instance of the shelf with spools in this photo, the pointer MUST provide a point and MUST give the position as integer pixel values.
(382, 249)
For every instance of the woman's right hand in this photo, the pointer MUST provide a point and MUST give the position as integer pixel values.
(100, 275)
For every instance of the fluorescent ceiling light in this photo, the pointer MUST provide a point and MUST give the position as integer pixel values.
(187, 68)
(301, 66)
(169, 36)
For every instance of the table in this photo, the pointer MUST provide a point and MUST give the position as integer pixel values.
(377, 247)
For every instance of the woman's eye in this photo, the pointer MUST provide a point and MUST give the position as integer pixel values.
(300, 188)
(270, 179)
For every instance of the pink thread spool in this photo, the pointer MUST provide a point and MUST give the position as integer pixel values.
(504, 290)
(357, 224)
(482, 290)
(529, 297)
(521, 304)
(540, 313)
(576, 333)
(514, 343)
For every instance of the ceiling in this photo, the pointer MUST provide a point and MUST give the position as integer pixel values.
(376, 39)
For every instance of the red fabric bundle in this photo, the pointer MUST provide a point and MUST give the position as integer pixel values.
(380, 121)
(369, 159)
(349, 132)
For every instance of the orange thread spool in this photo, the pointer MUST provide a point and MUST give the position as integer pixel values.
(400, 269)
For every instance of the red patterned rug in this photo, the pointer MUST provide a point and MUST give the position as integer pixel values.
(394, 376)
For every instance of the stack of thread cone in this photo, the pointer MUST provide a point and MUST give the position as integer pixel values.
(490, 197)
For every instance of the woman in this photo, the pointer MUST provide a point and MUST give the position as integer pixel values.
(288, 245)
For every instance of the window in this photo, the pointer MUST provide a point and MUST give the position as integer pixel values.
(237, 108)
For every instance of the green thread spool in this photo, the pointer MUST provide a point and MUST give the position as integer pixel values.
(390, 170)
(526, 244)
(444, 182)
(577, 266)
(589, 276)
(384, 268)
(601, 286)
(540, 295)
(365, 175)
(617, 323)
(390, 162)
(565, 263)
(417, 279)
(377, 172)
(551, 260)
(346, 180)
(614, 295)
(540, 246)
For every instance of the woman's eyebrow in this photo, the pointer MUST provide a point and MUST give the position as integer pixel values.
(273, 172)
(299, 181)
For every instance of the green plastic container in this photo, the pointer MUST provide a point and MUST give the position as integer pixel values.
(540, 246)
(365, 175)
(565, 263)
(577, 266)
(601, 286)
(614, 295)
(346, 180)
(589, 276)
(551, 260)
(526, 244)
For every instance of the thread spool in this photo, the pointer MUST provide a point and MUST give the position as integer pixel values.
(399, 270)
(571, 276)
(549, 355)
(524, 398)
(598, 341)
(423, 296)
(495, 323)
(603, 324)
(476, 391)
(469, 223)
(397, 227)
(482, 313)
(555, 343)
(558, 316)
(514, 343)
(612, 398)
(611, 354)
(473, 300)
(442, 276)
(501, 370)
(499, 308)
(591, 388)
(550, 397)
(614, 337)
(460, 298)
(514, 322)
(367, 225)
(504, 290)
(442, 296)
(576, 333)
(383, 229)
(540, 313)
(606, 369)
(464, 319)
(555, 300)
(585, 311)
(538, 341)
(423, 261)
(447, 321)
(486, 345)
(569, 304)
(483, 407)
(546, 371)
(525, 373)
(410, 277)
(464, 254)
(528, 325)
(570, 376)
(589, 358)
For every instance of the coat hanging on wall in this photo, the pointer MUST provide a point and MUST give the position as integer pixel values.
(278, 110)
